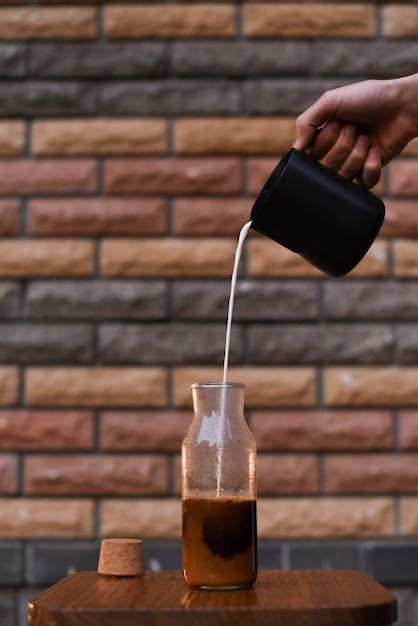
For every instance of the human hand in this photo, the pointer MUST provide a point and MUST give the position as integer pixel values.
(385, 112)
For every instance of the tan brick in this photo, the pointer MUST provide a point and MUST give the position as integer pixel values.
(66, 257)
(371, 473)
(101, 136)
(22, 518)
(309, 20)
(229, 136)
(44, 23)
(28, 176)
(403, 180)
(174, 176)
(368, 386)
(401, 218)
(9, 383)
(156, 518)
(265, 386)
(95, 475)
(322, 430)
(8, 474)
(409, 516)
(405, 257)
(160, 20)
(99, 386)
(400, 21)
(96, 216)
(325, 517)
(45, 430)
(167, 257)
(145, 430)
(9, 217)
(212, 216)
(266, 258)
(287, 474)
(12, 137)
(408, 430)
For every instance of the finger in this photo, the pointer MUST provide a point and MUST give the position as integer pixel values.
(308, 122)
(372, 168)
(325, 140)
(353, 164)
(341, 149)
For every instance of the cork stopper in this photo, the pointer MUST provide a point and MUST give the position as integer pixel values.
(121, 557)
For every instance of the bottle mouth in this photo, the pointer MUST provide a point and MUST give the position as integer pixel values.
(218, 385)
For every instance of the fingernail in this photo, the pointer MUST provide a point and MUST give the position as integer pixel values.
(374, 153)
(363, 140)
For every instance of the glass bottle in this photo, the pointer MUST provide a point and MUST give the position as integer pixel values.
(219, 491)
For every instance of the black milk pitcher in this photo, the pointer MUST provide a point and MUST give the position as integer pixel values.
(312, 210)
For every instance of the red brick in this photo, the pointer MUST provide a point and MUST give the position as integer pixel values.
(45, 430)
(401, 218)
(408, 430)
(47, 176)
(372, 473)
(214, 216)
(65, 257)
(9, 217)
(322, 430)
(24, 518)
(167, 257)
(99, 136)
(403, 179)
(94, 475)
(96, 216)
(153, 518)
(44, 23)
(258, 171)
(234, 135)
(144, 430)
(409, 516)
(371, 386)
(12, 134)
(405, 258)
(309, 20)
(8, 474)
(161, 20)
(173, 176)
(400, 21)
(9, 383)
(98, 386)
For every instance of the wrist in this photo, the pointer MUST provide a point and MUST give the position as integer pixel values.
(407, 96)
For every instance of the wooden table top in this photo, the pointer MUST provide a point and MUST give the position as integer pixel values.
(279, 598)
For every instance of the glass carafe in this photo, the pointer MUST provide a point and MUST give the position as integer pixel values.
(219, 491)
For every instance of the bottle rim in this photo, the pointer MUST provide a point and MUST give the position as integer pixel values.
(218, 385)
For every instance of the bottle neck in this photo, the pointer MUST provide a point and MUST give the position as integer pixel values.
(219, 400)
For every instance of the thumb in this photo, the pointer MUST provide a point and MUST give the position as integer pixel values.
(308, 123)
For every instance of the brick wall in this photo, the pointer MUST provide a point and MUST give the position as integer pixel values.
(133, 139)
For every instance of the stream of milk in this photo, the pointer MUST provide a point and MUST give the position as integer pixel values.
(222, 415)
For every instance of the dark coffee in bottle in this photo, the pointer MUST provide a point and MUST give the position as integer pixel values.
(220, 542)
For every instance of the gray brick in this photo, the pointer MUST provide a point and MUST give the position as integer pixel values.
(97, 299)
(171, 97)
(407, 598)
(283, 96)
(407, 344)
(269, 555)
(44, 98)
(394, 564)
(250, 58)
(369, 59)
(34, 343)
(9, 299)
(170, 344)
(12, 60)
(254, 300)
(160, 555)
(320, 343)
(49, 562)
(98, 59)
(324, 555)
(11, 564)
(373, 300)
(7, 608)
